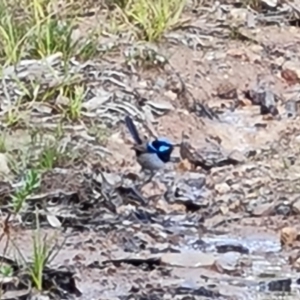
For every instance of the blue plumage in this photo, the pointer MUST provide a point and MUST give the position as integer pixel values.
(151, 155)
(133, 131)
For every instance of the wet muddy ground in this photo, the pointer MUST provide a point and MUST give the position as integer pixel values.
(225, 230)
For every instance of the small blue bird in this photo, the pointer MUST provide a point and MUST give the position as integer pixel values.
(151, 156)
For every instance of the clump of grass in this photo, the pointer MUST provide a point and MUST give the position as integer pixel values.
(43, 254)
(37, 32)
(75, 98)
(54, 153)
(45, 249)
(51, 156)
(48, 158)
(155, 17)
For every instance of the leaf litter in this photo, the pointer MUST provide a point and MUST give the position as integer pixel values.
(217, 226)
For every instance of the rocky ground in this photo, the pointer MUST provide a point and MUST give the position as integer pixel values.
(229, 78)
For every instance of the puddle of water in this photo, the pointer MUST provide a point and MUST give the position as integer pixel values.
(255, 244)
(267, 263)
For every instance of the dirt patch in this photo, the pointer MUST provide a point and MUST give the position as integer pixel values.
(219, 222)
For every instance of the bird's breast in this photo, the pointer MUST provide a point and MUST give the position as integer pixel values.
(150, 161)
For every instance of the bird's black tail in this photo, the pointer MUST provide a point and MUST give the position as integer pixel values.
(133, 131)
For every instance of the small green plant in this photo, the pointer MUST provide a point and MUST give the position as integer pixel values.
(48, 157)
(3, 148)
(45, 249)
(52, 35)
(6, 270)
(73, 111)
(154, 17)
(54, 154)
(30, 182)
(42, 252)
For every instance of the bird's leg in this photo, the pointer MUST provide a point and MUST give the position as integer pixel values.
(151, 175)
(145, 172)
(149, 179)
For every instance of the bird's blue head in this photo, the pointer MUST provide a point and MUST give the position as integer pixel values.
(162, 147)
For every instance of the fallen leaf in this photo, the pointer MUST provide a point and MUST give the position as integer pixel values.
(53, 221)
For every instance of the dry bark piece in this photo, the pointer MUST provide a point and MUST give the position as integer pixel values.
(290, 76)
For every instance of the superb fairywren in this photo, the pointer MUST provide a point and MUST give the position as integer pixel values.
(151, 155)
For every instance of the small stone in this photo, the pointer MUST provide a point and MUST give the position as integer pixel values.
(288, 235)
(263, 210)
(270, 3)
(228, 263)
(187, 259)
(227, 91)
(239, 14)
(222, 188)
(237, 156)
(171, 95)
(296, 206)
(224, 210)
